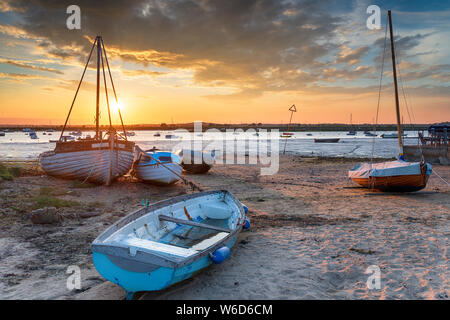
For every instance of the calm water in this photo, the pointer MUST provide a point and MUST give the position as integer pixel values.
(18, 145)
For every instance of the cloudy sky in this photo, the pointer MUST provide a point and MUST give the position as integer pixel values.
(227, 61)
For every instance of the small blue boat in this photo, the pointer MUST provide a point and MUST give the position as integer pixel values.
(169, 241)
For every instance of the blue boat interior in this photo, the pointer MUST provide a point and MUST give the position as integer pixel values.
(188, 236)
(199, 224)
(161, 156)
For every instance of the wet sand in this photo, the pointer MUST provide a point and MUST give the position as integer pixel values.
(313, 235)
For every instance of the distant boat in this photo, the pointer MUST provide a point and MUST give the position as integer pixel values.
(66, 138)
(326, 140)
(131, 133)
(188, 162)
(101, 159)
(33, 135)
(157, 134)
(2, 134)
(26, 129)
(392, 135)
(399, 175)
(287, 135)
(369, 134)
(158, 167)
(169, 241)
(171, 136)
(351, 132)
(309, 134)
(77, 133)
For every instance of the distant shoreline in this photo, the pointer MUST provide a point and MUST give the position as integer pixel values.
(245, 126)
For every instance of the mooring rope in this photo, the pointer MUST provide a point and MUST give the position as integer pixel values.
(440, 177)
(185, 180)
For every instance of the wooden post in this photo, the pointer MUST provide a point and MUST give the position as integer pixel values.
(397, 105)
(292, 109)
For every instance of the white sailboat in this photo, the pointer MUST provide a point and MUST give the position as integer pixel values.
(398, 175)
(100, 159)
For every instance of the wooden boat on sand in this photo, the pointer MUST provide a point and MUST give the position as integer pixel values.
(399, 175)
(169, 241)
(100, 159)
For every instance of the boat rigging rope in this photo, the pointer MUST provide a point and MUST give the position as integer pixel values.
(76, 93)
(409, 107)
(114, 90)
(372, 183)
(379, 95)
(186, 181)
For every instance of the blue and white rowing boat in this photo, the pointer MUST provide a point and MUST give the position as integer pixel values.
(158, 167)
(169, 241)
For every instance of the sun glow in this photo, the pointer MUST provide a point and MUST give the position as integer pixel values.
(116, 106)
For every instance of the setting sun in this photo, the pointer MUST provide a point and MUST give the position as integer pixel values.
(116, 106)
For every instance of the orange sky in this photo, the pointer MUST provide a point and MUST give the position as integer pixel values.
(239, 78)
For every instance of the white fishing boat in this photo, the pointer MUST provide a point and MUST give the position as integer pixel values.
(169, 241)
(392, 135)
(158, 167)
(101, 159)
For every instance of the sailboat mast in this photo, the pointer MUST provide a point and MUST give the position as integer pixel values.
(97, 111)
(397, 106)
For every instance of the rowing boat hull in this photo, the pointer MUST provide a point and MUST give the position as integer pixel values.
(159, 174)
(155, 277)
(102, 165)
(407, 183)
(132, 254)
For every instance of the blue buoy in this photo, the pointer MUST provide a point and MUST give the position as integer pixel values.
(245, 208)
(220, 255)
(246, 224)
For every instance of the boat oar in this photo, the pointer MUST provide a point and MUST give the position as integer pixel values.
(192, 223)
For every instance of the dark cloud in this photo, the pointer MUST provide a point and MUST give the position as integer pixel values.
(253, 46)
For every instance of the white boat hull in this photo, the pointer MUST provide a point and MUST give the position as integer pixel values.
(158, 173)
(99, 166)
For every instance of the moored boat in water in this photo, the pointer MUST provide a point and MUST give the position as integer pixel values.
(326, 140)
(169, 241)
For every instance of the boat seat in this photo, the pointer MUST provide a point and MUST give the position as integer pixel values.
(216, 210)
(210, 241)
(136, 243)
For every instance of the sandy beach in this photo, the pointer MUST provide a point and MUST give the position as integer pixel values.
(314, 233)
